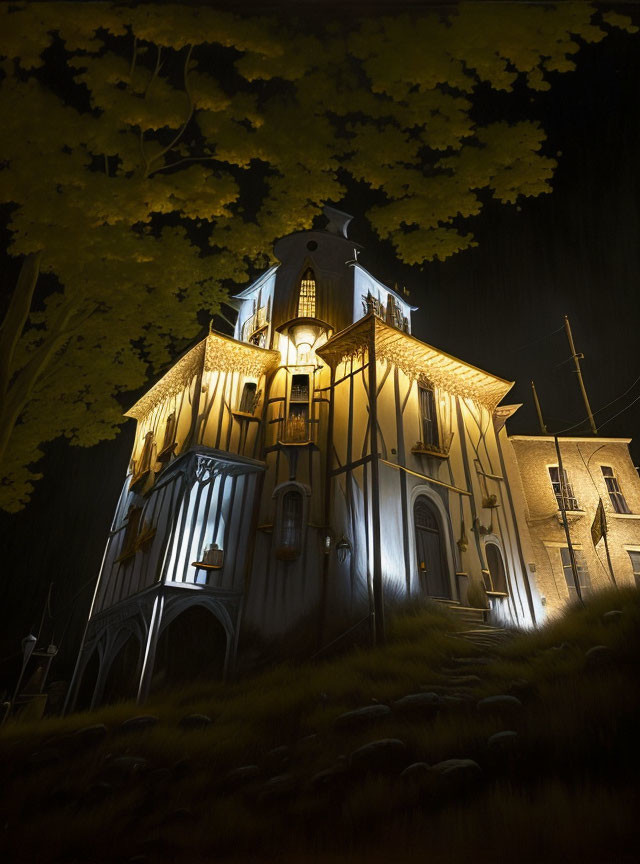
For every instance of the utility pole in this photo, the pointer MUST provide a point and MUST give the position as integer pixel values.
(543, 428)
(576, 359)
(563, 511)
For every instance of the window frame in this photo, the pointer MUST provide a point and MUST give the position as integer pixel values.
(283, 549)
(493, 589)
(246, 404)
(583, 571)
(616, 495)
(433, 439)
(635, 567)
(562, 483)
(307, 294)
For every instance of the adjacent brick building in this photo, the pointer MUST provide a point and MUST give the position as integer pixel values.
(594, 469)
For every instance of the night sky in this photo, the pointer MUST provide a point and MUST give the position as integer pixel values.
(574, 252)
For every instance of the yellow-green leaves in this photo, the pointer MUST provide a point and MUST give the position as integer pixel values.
(154, 152)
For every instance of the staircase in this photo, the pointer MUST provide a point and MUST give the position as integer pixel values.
(477, 631)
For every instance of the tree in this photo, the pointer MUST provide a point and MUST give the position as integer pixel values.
(169, 146)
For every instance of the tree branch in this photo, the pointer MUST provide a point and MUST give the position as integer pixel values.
(181, 162)
(133, 57)
(189, 115)
(16, 316)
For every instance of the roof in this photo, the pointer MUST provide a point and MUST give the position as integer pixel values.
(215, 352)
(416, 359)
(386, 288)
(257, 283)
(593, 439)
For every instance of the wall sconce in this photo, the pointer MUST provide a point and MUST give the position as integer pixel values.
(212, 557)
(343, 548)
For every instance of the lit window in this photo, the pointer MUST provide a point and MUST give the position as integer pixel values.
(249, 398)
(428, 417)
(496, 568)
(290, 535)
(562, 489)
(635, 565)
(307, 296)
(613, 488)
(581, 567)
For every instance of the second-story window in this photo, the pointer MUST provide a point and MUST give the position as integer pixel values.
(307, 295)
(618, 501)
(248, 398)
(562, 489)
(428, 417)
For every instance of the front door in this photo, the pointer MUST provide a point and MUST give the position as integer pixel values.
(432, 569)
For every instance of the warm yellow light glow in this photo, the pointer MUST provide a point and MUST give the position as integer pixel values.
(307, 296)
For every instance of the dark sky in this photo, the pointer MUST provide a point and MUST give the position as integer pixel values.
(573, 252)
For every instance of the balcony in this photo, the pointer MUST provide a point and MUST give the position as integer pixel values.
(295, 431)
(431, 448)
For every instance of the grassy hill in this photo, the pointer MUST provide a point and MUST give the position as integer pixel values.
(561, 785)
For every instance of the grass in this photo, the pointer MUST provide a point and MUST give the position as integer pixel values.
(566, 792)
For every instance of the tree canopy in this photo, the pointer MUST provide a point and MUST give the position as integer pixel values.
(152, 154)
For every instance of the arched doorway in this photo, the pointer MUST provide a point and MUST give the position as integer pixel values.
(430, 551)
(192, 647)
(88, 682)
(497, 572)
(124, 673)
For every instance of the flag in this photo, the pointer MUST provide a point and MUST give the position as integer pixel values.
(599, 526)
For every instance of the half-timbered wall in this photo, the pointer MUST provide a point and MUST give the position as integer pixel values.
(199, 501)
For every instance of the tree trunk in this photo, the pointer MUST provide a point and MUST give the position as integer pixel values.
(17, 385)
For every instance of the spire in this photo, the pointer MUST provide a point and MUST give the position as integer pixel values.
(338, 221)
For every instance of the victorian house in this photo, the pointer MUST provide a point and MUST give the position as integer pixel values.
(299, 477)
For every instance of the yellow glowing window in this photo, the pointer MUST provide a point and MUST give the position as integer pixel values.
(307, 296)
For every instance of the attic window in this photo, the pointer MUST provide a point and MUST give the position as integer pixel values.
(307, 295)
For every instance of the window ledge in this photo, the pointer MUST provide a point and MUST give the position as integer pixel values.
(245, 415)
(624, 515)
(496, 593)
(430, 451)
(572, 515)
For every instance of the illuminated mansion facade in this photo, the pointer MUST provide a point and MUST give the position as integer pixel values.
(293, 479)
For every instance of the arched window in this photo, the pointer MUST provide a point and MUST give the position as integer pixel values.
(432, 564)
(290, 528)
(307, 295)
(497, 572)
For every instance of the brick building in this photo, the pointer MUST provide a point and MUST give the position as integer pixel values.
(594, 469)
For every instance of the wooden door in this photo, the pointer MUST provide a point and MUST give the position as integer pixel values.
(432, 567)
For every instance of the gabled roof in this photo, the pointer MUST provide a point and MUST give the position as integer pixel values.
(215, 352)
(416, 359)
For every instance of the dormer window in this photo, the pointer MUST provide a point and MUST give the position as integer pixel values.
(307, 295)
